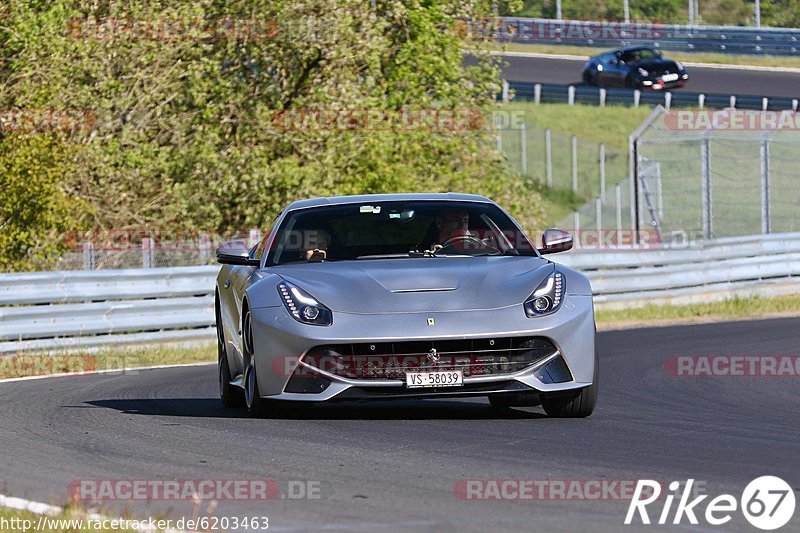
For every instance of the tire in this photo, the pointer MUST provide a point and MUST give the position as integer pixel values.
(577, 405)
(514, 399)
(256, 406)
(230, 395)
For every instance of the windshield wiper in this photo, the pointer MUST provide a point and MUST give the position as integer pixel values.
(424, 253)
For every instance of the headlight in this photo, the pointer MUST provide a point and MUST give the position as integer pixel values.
(643, 72)
(303, 307)
(547, 297)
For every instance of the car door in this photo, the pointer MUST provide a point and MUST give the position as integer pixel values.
(616, 71)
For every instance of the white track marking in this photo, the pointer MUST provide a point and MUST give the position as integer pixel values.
(106, 371)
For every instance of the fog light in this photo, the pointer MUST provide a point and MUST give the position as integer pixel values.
(541, 304)
(310, 312)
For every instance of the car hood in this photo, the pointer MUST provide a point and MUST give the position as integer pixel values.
(419, 284)
(659, 66)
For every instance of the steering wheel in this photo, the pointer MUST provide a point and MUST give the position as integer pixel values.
(466, 239)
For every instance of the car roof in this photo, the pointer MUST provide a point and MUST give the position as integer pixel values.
(626, 49)
(375, 198)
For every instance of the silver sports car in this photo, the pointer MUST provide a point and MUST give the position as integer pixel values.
(403, 296)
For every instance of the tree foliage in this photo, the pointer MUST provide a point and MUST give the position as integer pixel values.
(186, 135)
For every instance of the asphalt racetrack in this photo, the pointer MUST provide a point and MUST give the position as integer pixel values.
(701, 79)
(398, 466)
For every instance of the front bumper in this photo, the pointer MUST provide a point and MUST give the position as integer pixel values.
(281, 342)
(656, 83)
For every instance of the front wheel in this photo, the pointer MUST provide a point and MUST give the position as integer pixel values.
(579, 405)
(256, 405)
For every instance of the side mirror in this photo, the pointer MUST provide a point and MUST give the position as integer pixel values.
(236, 253)
(555, 240)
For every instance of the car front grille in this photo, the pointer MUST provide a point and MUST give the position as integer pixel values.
(475, 357)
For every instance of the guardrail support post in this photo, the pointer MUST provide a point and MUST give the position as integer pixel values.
(602, 169)
(505, 91)
(667, 100)
(701, 100)
(637, 95)
(764, 103)
(147, 252)
(571, 95)
(537, 94)
(548, 157)
(602, 97)
(733, 101)
(88, 256)
(705, 164)
(765, 214)
(794, 105)
(523, 150)
(574, 163)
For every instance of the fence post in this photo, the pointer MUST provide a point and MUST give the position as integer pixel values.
(548, 157)
(497, 124)
(574, 163)
(618, 195)
(147, 252)
(523, 152)
(88, 256)
(598, 216)
(505, 90)
(537, 93)
(576, 221)
(571, 95)
(705, 168)
(254, 237)
(602, 169)
(765, 214)
(205, 249)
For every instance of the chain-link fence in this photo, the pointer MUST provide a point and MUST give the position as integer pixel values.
(562, 161)
(701, 174)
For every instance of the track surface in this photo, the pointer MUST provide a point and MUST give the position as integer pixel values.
(392, 466)
(701, 80)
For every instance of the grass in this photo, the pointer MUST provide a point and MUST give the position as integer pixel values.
(25, 365)
(702, 57)
(609, 125)
(731, 309)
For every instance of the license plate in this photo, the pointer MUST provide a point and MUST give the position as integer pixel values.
(452, 378)
(669, 77)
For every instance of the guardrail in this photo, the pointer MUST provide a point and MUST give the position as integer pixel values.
(77, 309)
(585, 94)
(675, 37)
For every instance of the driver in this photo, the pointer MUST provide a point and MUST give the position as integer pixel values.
(451, 225)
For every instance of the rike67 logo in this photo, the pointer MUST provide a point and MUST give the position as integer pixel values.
(767, 503)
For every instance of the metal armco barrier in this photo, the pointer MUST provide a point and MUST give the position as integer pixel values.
(584, 94)
(77, 309)
(675, 37)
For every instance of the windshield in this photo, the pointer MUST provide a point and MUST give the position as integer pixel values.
(400, 229)
(639, 55)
